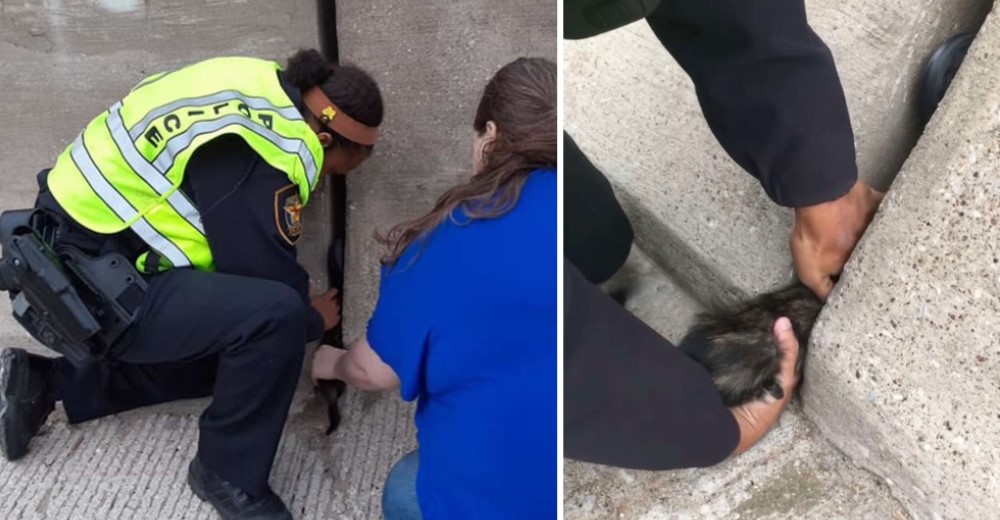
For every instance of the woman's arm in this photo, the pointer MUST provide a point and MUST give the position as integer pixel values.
(359, 367)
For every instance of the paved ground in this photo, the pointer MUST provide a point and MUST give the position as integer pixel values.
(132, 466)
(793, 473)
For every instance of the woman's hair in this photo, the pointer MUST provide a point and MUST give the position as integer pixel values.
(521, 101)
(350, 88)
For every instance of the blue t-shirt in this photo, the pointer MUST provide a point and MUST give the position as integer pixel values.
(469, 326)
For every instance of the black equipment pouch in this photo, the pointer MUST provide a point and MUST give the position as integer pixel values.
(75, 304)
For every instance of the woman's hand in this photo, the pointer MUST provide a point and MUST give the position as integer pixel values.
(324, 365)
(757, 417)
(824, 236)
(328, 306)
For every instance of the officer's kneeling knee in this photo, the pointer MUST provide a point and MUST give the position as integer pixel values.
(284, 308)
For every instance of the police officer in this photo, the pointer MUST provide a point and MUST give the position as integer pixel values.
(200, 175)
(769, 90)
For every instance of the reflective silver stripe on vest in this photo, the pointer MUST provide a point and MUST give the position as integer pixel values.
(123, 208)
(141, 166)
(256, 103)
(178, 143)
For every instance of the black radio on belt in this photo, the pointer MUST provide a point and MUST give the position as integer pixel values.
(73, 303)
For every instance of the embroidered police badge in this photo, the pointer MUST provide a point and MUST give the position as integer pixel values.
(288, 213)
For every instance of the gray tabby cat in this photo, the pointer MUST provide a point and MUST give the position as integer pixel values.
(738, 348)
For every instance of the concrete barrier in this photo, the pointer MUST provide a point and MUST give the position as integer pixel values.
(704, 220)
(904, 366)
(433, 60)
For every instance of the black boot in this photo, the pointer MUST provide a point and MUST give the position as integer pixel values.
(231, 502)
(26, 399)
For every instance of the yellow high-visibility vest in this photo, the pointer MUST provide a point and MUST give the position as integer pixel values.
(126, 167)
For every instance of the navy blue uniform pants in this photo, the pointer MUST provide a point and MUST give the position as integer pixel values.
(631, 399)
(240, 340)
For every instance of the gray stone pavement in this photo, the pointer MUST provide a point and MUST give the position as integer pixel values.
(133, 465)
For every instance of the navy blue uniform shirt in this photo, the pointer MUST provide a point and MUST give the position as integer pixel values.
(248, 208)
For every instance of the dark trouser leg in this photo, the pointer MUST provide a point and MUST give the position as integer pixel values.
(632, 399)
(597, 233)
(252, 330)
(111, 387)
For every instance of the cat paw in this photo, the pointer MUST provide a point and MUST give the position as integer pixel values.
(773, 389)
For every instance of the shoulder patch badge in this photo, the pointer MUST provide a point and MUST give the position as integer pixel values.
(288, 213)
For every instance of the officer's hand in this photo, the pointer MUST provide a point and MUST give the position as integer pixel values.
(757, 417)
(328, 306)
(824, 235)
(324, 365)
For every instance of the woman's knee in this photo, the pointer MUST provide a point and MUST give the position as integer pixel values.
(399, 495)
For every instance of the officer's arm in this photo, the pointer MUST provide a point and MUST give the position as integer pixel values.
(251, 217)
(769, 90)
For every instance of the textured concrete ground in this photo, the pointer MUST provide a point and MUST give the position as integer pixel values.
(904, 369)
(792, 473)
(133, 465)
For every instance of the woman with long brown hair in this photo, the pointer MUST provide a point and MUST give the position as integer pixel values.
(466, 321)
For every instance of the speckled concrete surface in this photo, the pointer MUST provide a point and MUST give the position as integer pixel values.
(133, 465)
(792, 473)
(902, 375)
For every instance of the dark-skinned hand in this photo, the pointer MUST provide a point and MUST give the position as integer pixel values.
(328, 306)
(824, 236)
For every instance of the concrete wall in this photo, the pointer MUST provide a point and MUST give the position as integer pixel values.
(696, 213)
(904, 365)
(443, 53)
(880, 48)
